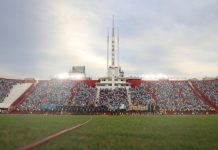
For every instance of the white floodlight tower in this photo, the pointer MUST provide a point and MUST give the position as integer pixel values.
(108, 53)
(115, 76)
(113, 46)
(118, 49)
(113, 55)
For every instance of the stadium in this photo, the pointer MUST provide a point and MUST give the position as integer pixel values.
(116, 111)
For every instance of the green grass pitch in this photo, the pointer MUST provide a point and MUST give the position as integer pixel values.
(111, 132)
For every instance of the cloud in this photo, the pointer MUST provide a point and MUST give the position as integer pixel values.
(41, 39)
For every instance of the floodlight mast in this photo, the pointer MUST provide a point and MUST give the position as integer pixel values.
(118, 49)
(107, 53)
(113, 56)
(115, 76)
(113, 64)
(113, 47)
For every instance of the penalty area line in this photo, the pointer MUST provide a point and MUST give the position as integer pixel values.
(51, 137)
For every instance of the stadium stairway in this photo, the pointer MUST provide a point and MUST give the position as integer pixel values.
(74, 91)
(14, 94)
(206, 100)
(179, 91)
(97, 96)
(26, 94)
(152, 91)
(128, 96)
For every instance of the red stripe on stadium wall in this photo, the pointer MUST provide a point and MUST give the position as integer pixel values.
(51, 137)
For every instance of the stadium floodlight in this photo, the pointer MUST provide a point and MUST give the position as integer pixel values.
(154, 76)
(63, 76)
(76, 76)
(162, 76)
(72, 76)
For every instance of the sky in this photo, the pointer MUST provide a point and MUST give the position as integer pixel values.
(42, 38)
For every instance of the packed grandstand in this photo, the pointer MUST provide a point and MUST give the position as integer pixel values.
(82, 96)
(115, 93)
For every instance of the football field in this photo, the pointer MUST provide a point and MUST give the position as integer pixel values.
(111, 132)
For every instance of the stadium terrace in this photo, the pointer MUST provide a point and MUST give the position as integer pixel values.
(74, 93)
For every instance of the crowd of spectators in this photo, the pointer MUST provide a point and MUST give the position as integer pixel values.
(177, 96)
(114, 98)
(140, 96)
(167, 98)
(169, 95)
(85, 96)
(209, 89)
(190, 100)
(48, 94)
(5, 86)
